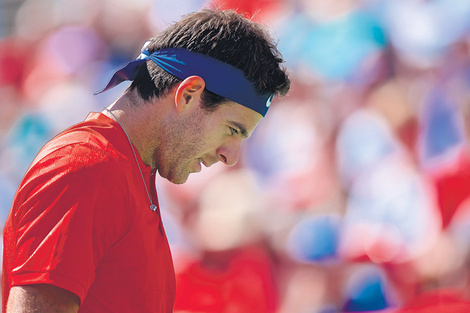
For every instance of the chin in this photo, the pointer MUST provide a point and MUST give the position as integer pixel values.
(176, 176)
(178, 180)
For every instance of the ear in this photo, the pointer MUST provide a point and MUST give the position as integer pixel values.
(189, 92)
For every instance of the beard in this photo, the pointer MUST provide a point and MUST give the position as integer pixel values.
(181, 147)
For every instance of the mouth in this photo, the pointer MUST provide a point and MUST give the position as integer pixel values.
(200, 164)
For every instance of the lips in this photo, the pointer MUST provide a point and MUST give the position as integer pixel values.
(206, 162)
(199, 168)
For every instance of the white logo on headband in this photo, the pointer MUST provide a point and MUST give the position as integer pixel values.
(270, 99)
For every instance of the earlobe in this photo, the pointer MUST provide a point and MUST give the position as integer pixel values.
(189, 92)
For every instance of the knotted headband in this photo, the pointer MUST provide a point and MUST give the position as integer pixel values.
(220, 78)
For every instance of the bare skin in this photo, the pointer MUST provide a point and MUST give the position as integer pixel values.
(42, 298)
(174, 134)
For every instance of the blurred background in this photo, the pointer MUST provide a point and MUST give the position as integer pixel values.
(351, 196)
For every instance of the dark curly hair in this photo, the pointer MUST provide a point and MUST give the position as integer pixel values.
(226, 36)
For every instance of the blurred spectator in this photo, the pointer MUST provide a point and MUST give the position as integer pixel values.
(232, 271)
(422, 31)
(334, 40)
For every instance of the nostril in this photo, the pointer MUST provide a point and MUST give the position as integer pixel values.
(224, 159)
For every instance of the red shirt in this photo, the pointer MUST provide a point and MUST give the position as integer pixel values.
(452, 182)
(242, 282)
(437, 301)
(81, 221)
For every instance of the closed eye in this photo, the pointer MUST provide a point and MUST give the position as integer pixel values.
(238, 129)
(233, 131)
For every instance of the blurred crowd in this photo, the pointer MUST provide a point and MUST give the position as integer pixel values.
(353, 194)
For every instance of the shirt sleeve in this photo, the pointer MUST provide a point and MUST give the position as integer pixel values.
(68, 212)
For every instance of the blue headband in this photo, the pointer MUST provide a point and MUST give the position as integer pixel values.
(220, 78)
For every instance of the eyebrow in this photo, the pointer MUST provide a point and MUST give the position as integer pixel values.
(241, 128)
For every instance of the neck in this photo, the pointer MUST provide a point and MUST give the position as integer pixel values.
(139, 121)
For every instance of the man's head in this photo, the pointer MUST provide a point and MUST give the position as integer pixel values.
(200, 119)
(223, 35)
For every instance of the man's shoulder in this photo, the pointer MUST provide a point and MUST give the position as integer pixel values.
(80, 156)
(94, 140)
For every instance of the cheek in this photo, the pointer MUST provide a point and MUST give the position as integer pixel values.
(207, 138)
(193, 145)
(203, 137)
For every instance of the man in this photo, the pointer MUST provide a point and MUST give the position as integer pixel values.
(84, 233)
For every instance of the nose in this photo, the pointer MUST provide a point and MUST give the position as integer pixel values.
(229, 153)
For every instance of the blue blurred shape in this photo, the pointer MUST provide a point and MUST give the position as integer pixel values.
(314, 239)
(442, 129)
(333, 48)
(29, 134)
(367, 294)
